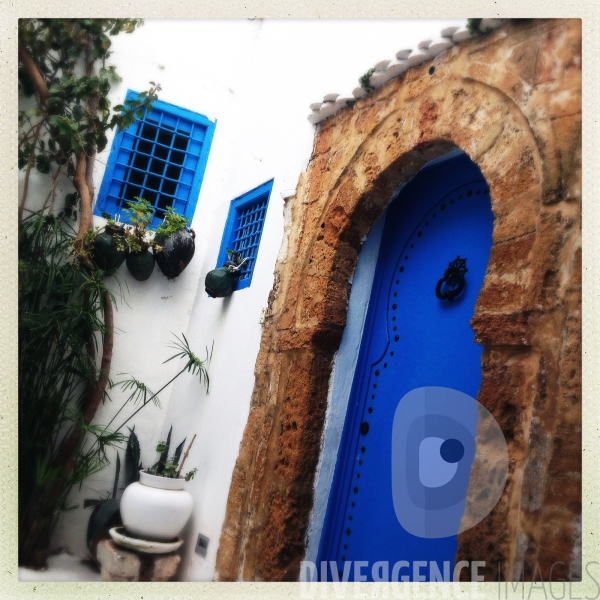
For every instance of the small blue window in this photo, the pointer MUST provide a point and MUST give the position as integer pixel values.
(244, 228)
(161, 158)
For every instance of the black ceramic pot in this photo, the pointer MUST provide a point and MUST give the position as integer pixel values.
(106, 253)
(177, 252)
(220, 283)
(140, 264)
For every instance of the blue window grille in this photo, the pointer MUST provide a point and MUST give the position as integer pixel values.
(244, 228)
(160, 158)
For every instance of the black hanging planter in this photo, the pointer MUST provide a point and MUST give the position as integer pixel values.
(177, 252)
(106, 253)
(220, 283)
(140, 264)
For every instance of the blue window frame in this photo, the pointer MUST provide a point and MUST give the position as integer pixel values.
(243, 229)
(161, 158)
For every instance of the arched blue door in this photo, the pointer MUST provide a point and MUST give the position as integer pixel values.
(412, 339)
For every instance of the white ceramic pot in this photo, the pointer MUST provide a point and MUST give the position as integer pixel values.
(155, 508)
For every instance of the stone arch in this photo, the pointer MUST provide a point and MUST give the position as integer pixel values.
(360, 157)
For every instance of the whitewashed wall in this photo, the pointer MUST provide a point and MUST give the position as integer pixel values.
(257, 78)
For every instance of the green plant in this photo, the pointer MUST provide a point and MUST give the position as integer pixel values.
(106, 510)
(473, 26)
(172, 223)
(137, 237)
(234, 260)
(169, 466)
(365, 81)
(65, 311)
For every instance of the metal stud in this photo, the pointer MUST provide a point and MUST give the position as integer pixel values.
(396, 338)
(364, 428)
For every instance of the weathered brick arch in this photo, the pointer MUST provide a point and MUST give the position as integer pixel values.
(527, 314)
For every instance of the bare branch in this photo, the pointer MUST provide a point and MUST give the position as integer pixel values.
(185, 456)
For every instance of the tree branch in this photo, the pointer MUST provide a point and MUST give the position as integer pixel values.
(39, 85)
(85, 201)
(107, 350)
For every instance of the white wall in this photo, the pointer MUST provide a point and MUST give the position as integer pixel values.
(257, 78)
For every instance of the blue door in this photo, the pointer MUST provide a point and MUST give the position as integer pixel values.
(436, 244)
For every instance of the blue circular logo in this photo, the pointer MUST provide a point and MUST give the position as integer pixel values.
(444, 479)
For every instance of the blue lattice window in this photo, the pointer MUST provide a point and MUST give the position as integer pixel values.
(161, 158)
(244, 228)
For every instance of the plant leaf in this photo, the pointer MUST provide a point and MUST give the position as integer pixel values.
(116, 482)
(178, 452)
(102, 516)
(132, 458)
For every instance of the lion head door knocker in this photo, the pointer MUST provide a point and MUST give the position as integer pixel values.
(453, 280)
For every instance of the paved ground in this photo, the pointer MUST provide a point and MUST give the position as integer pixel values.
(62, 567)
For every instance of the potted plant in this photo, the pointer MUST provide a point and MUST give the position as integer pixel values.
(108, 248)
(177, 244)
(157, 507)
(140, 261)
(220, 282)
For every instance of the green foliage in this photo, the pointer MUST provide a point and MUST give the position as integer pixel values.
(139, 215)
(133, 462)
(172, 223)
(60, 309)
(365, 81)
(473, 26)
(190, 474)
(61, 294)
(77, 113)
(169, 466)
(194, 364)
(106, 511)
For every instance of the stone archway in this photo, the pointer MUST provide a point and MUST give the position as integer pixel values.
(527, 315)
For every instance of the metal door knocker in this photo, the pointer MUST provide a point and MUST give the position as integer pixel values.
(454, 278)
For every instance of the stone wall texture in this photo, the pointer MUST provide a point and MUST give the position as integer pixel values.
(511, 100)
